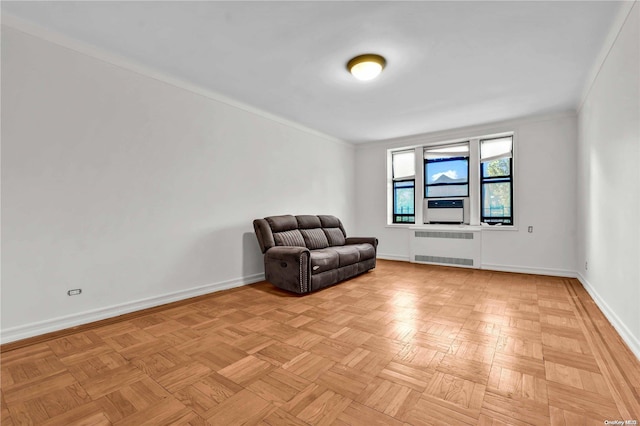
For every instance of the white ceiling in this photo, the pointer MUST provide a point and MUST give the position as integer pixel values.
(449, 64)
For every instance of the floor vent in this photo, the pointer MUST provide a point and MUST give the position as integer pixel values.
(441, 234)
(446, 260)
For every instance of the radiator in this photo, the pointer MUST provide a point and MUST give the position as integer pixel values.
(446, 247)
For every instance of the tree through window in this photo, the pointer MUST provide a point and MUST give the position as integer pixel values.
(496, 180)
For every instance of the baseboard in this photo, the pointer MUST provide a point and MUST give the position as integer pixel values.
(528, 270)
(68, 321)
(491, 267)
(384, 256)
(633, 342)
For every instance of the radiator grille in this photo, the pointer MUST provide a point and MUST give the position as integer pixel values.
(440, 259)
(444, 234)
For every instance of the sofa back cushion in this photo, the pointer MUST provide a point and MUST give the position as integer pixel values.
(282, 223)
(308, 221)
(314, 238)
(289, 238)
(313, 232)
(333, 229)
(335, 237)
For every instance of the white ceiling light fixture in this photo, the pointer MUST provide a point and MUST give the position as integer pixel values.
(366, 67)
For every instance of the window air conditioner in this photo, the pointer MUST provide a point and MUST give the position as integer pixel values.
(445, 211)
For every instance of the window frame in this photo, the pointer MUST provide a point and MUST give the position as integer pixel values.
(426, 185)
(473, 208)
(395, 215)
(394, 180)
(493, 221)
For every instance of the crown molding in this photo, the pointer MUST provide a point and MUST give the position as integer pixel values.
(463, 133)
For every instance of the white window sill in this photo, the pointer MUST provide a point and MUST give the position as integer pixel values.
(448, 227)
(399, 225)
(499, 228)
(453, 227)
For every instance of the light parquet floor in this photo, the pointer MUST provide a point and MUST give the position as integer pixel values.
(404, 344)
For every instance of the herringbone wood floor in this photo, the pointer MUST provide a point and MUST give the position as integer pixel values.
(403, 344)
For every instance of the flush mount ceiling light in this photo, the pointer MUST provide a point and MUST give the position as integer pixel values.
(366, 67)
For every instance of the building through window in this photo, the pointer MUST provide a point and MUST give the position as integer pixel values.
(446, 171)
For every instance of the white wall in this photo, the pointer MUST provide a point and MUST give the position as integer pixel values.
(545, 182)
(609, 185)
(138, 191)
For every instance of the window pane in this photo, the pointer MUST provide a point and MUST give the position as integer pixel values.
(447, 171)
(403, 219)
(404, 198)
(404, 164)
(496, 200)
(449, 151)
(496, 148)
(501, 167)
(447, 191)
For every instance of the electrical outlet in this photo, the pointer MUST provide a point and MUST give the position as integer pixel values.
(74, 292)
(530, 229)
(586, 266)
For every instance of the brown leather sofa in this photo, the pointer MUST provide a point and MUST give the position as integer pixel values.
(306, 253)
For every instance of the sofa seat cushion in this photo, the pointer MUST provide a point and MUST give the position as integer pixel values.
(366, 251)
(323, 260)
(347, 255)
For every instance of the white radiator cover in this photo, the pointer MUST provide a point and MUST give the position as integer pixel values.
(446, 246)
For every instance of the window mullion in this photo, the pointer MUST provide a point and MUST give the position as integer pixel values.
(474, 181)
(419, 185)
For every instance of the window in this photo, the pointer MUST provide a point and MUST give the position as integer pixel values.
(496, 181)
(446, 171)
(477, 169)
(404, 186)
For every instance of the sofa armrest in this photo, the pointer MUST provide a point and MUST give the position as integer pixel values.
(288, 268)
(286, 253)
(360, 240)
